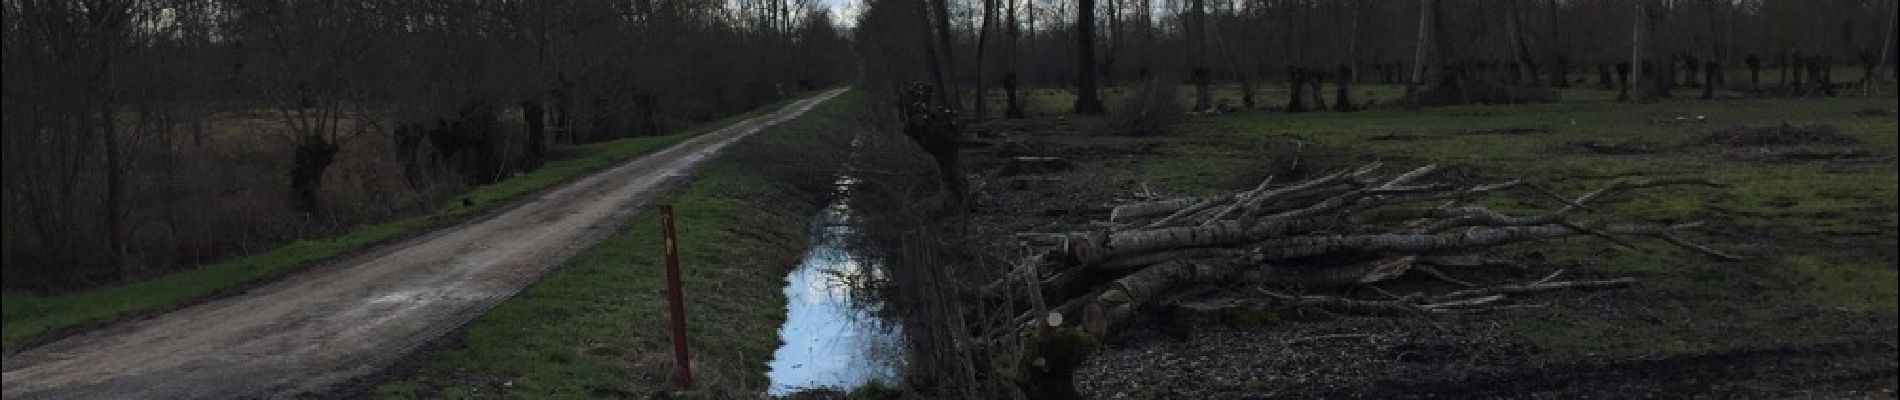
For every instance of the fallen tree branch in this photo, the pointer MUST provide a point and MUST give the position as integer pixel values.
(1531, 288)
(1319, 237)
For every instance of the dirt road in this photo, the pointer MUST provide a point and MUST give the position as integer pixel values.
(310, 333)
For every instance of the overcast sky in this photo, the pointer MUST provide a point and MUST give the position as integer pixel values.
(844, 12)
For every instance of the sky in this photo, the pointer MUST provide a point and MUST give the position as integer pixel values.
(844, 12)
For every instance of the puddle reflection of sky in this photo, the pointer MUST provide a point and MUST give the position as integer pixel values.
(827, 341)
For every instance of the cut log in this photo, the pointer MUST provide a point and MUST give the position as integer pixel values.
(1308, 246)
(1150, 208)
(1226, 233)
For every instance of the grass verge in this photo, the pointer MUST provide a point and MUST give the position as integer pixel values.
(596, 327)
(27, 319)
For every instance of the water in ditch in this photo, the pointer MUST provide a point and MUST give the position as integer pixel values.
(832, 339)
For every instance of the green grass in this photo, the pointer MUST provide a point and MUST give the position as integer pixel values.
(27, 319)
(597, 325)
(1821, 233)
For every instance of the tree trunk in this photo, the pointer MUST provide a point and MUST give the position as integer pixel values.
(312, 158)
(933, 57)
(533, 114)
(981, 111)
(1050, 358)
(940, 136)
(1030, 6)
(1087, 100)
(1197, 37)
(949, 93)
(1421, 48)
(1874, 80)
(1316, 78)
(1690, 68)
(1604, 81)
(1710, 71)
(1342, 96)
(1623, 71)
(1246, 85)
(1661, 79)
(1782, 61)
(1525, 69)
(115, 188)
(1356, 13)
(1636, 53)
(1114, 43)
(1824, 67)
(1754, 71)
(564, 109)
(1296, 95)
(1562, 72)
(1454, 67)
(1011, 107)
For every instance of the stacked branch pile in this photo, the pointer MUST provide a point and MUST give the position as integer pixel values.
(1351, 227)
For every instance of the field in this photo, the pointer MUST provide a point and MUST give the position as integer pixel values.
(1812, 206)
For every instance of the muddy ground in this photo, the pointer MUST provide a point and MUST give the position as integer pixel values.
(1779, 326)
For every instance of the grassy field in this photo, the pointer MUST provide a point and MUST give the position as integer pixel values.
(597, 326)
(27, 319)
(1817, 220)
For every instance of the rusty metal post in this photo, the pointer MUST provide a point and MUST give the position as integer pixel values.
(676, 300)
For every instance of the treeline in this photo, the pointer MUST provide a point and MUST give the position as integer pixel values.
(1455, 50)
(146, 135)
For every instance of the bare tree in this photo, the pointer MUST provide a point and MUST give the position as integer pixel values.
(980, 111)
(1087, 100)
(1637, 48)
(940, 18)
(1873, 82)
(1197, 38)
(1012, 107)
(1240, 74)
(1525, 69)
(1422, 48)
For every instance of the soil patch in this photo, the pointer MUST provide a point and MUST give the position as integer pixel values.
(1509, 130)
(1397, 136)
(1610, 147)
(1780, 135)
(1411, 358)
(1809, 155)
(1874, 112)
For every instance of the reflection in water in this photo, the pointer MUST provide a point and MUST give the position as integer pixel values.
(830, 339)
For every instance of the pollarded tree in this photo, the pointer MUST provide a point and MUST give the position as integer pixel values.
(308, 60)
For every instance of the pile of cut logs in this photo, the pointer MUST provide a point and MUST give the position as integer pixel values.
(1284, 241)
